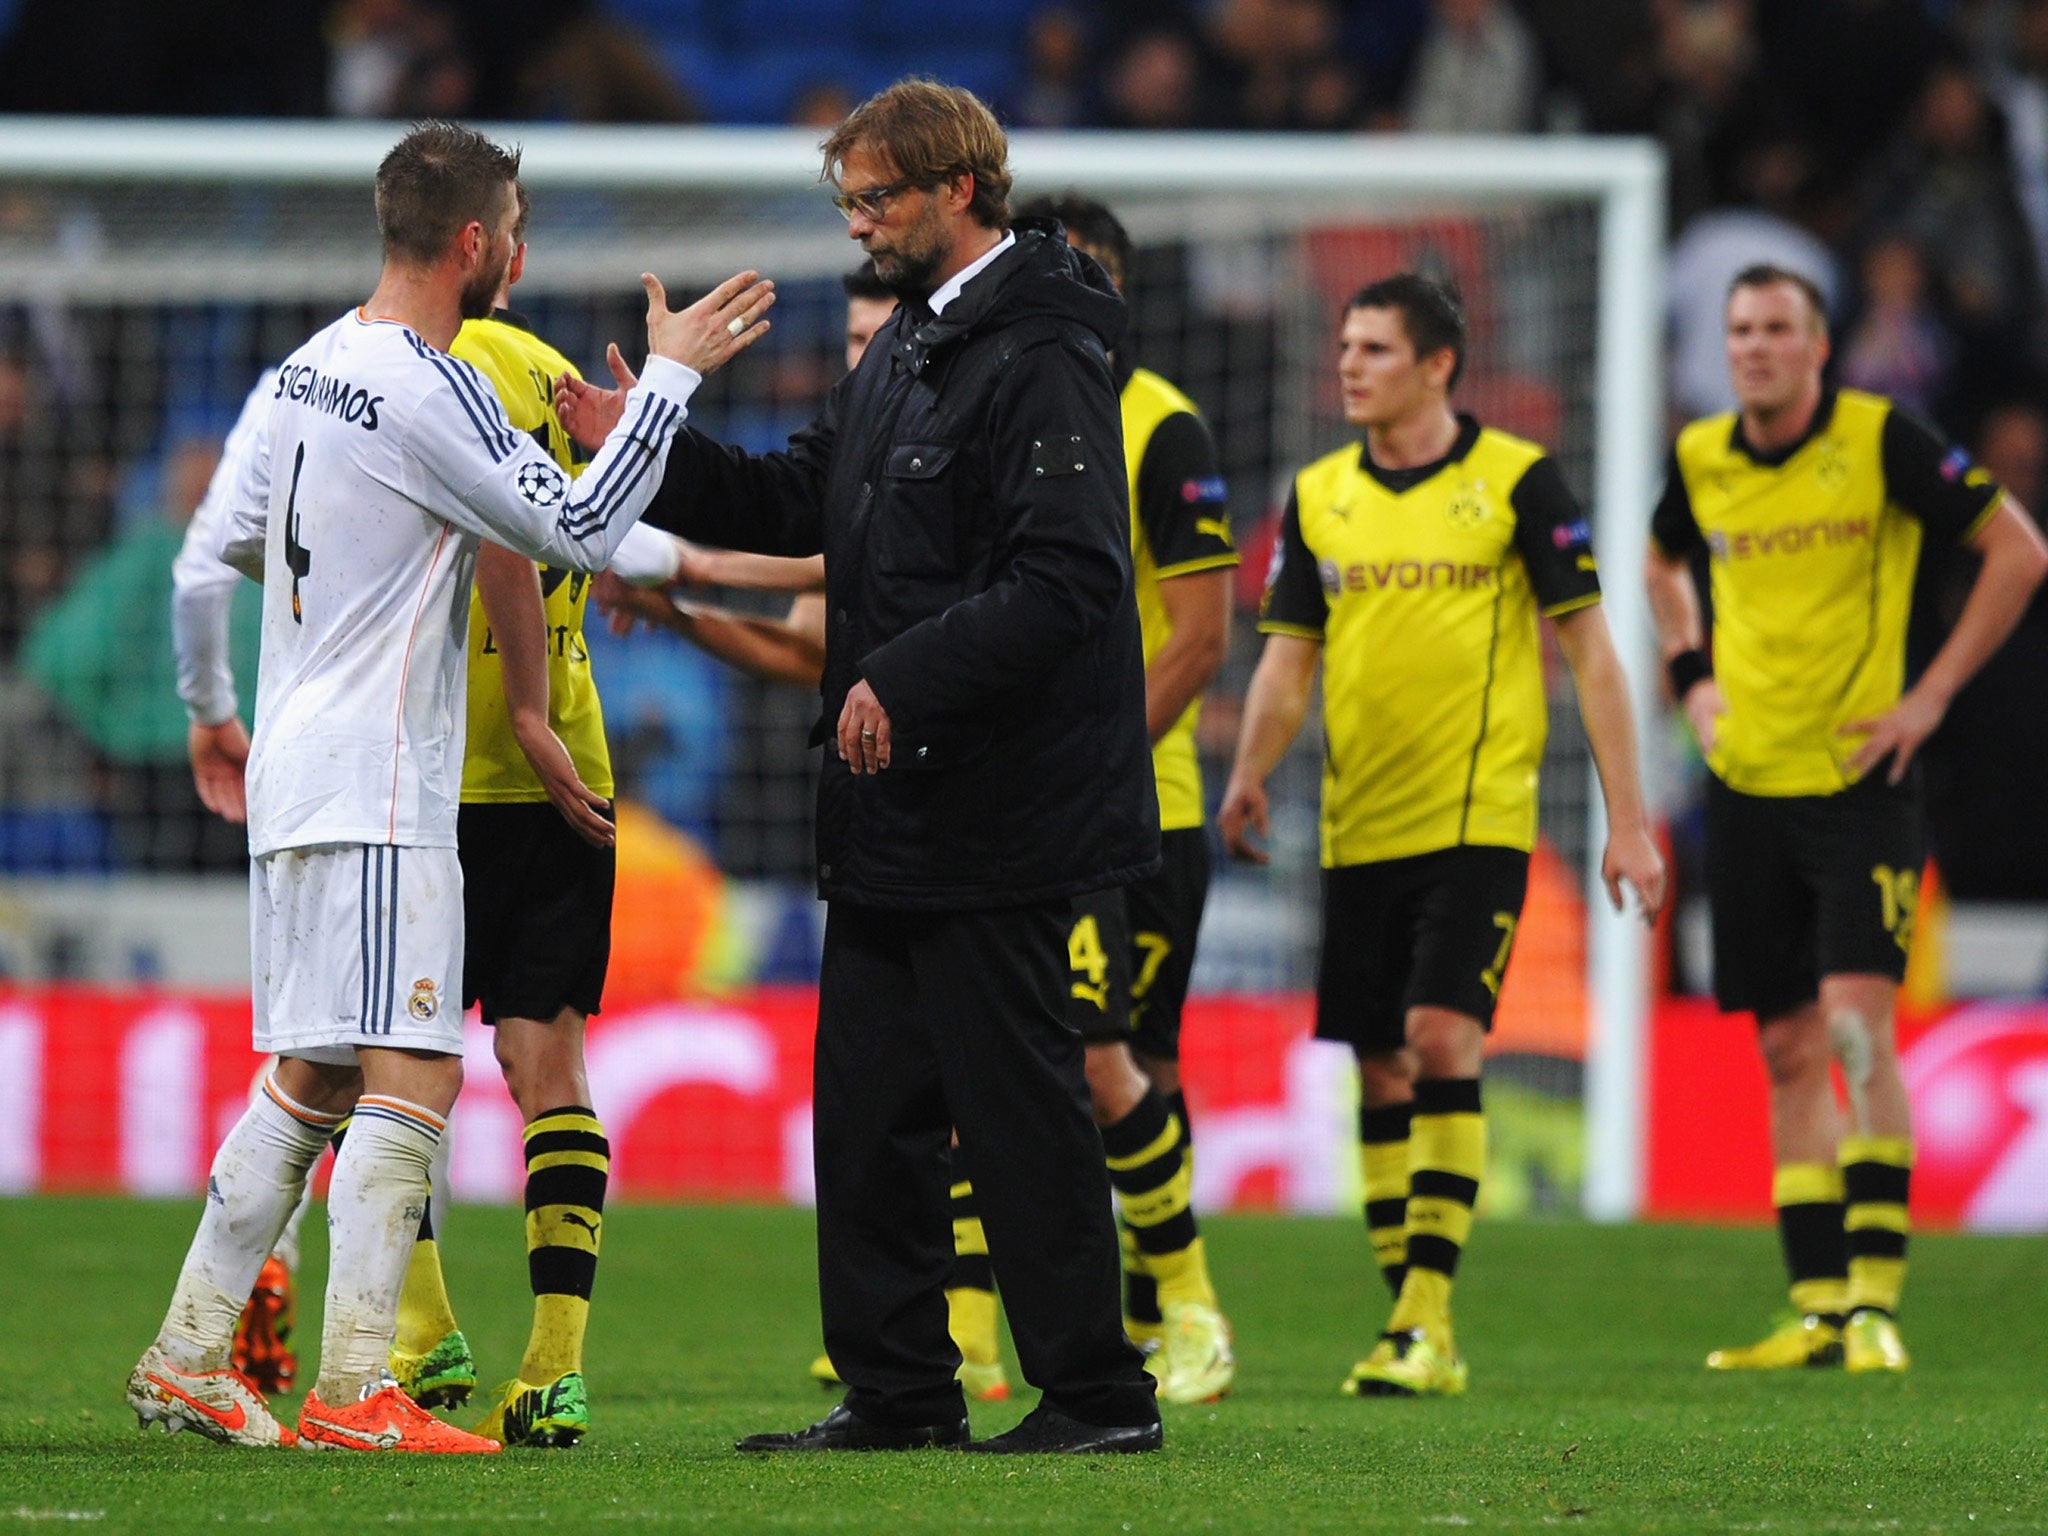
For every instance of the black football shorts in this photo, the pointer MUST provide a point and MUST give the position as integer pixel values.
(1806, 886)
(537, 912)
(1431, 931)
(1131, 952)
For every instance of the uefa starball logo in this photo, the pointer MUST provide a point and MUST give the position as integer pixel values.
(542, 484)
(1979, 1086)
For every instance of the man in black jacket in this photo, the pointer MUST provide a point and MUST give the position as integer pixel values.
(984, 694)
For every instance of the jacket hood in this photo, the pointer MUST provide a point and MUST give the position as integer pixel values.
(1041, 275)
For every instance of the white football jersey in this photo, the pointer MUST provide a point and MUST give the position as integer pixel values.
(381, 464)
(202, 587)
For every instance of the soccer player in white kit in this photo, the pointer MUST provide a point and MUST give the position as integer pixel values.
(381, 464)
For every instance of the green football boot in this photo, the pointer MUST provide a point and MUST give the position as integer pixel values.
(441, 1378)
(554, 1416)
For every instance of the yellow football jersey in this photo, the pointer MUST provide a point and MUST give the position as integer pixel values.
(1424, 588)
(1180, 524)
(523, 368)
(1811, 554)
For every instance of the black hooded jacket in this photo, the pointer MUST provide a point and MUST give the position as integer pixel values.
(966, 484)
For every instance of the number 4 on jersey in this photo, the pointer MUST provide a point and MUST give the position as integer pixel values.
(296, 555)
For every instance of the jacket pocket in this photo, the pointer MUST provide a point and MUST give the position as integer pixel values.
(913, 532)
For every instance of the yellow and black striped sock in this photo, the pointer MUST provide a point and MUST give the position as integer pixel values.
(568, 1164)
(1808, 1199)
(971, 1288)
(1177, 1101)
(1153, 1179)
(1446, 1158)
(1142, 1317)
(1877, 1175)
(1383, 1156)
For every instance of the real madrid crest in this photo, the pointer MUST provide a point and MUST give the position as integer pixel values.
(425, 1001)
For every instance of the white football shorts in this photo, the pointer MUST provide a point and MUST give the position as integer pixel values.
(354, 945)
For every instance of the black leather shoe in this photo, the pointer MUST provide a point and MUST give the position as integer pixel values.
(840, 1430)
(1048, 1432)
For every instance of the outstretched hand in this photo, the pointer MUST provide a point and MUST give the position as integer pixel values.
(626, 606)
(588, 411)
(715, 329)
(705, 336)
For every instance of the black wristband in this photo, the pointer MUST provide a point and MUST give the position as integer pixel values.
(1686, 670)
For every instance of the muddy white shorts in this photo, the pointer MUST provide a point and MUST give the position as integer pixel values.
(356, 945)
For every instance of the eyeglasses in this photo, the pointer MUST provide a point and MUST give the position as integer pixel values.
(873, 203)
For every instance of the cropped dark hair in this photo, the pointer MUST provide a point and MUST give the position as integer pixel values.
(929, 133)
(437, 179)
(1764, 274)
(1088, 222)
(864, 283)
(1431, 313)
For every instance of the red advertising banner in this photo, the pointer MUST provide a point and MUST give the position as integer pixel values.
(704, 1098)
(710, 1099)
(1977, 1075)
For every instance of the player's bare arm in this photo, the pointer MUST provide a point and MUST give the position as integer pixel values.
(778, 650)
(2015, 558)
(1274, 709)
(1675, 609)
(702, 566)
(1631, 855)
(508, 585)
(1198, 616)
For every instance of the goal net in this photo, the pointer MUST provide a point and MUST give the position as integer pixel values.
(148, 272)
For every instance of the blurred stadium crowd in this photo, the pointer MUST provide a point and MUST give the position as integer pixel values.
(1896, 150)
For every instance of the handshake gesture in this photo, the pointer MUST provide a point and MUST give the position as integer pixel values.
(704, 337)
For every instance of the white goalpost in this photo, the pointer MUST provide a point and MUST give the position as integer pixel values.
(161, 262)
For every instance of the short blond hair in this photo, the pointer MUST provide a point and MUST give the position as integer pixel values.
(930, 133)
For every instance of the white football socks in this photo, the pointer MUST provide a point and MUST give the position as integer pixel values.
(374, 1206)
(287, 1250)
(257, 1179)
(440, 1194)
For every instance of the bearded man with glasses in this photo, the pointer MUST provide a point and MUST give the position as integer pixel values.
(984, 693)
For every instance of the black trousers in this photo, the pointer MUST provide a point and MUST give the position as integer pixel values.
(928, 1021)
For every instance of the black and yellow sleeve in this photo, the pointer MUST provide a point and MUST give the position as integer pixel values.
(1183, 502)
(1294, 603)
(1930, 479)
(1673, 528)
(1554, 540)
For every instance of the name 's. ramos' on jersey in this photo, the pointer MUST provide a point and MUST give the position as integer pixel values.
(306, 384)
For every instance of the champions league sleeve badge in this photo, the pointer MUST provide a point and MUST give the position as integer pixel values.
(543, 485)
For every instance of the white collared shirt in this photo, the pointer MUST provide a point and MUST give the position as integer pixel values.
(949, 290)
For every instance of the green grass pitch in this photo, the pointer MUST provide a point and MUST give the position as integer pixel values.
(1589, 1409)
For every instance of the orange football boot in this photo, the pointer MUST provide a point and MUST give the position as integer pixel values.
(262, 1350)
(384, 1420)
